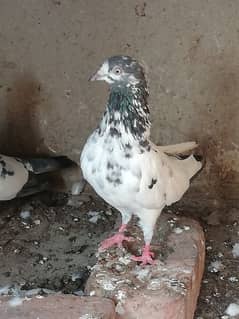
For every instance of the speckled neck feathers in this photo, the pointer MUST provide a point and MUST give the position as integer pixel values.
(127, 112)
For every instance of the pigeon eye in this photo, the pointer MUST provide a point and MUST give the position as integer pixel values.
(117, 71)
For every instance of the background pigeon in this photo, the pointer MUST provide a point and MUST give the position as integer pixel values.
(124, 167)
(22, 177)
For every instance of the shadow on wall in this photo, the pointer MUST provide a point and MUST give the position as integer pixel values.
(22, 135)
(221, 112)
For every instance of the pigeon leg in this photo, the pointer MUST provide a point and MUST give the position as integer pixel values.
(147, 223)
(146, 257)
(117, 239)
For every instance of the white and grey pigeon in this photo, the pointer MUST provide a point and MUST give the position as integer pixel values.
(121, 163)
(22, 177)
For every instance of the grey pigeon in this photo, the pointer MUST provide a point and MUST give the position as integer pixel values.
(121, 163)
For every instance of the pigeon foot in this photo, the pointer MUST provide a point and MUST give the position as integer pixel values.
(146, 258)
(117, 239)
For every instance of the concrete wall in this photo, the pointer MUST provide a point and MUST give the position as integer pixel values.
(49, 48)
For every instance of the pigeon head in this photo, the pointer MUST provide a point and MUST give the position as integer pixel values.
(120, 71)
(127, 105)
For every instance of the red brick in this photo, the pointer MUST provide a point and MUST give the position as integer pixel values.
(60, 307)
(167, 290)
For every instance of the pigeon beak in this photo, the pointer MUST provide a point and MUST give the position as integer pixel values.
(96, 77)
(101, 74)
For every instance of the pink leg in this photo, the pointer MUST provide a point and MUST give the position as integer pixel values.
(122, 228)
(147, 256)
(117, 239)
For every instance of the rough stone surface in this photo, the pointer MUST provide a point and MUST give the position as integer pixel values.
(190, 50)
(58, 306)
(167, 290)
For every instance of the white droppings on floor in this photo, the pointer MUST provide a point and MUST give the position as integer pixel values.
(76, 276)
(235, 250)
(16, 301)
(125, 260)
(92, 293)
(232, 310)
(89, 316)
(77, 188)
(178, 230)
(4, 290)
(32, 292)
(108, 285)
(215, 266)
(94, 216)
(37, 221)
(25, 214)
(141, 273)
(79, 293)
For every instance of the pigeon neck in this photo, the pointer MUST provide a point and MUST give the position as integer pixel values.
(127, 111)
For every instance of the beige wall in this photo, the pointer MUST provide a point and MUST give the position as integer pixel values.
(48, 50)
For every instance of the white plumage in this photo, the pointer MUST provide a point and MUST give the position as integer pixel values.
(11, 184)
(124, 167)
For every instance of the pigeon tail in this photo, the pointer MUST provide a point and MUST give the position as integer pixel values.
(195, 163)
(36, 184)
(198, 157)
(178, 148)
(46, 165)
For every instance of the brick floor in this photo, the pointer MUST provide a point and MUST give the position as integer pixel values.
(58, 307)
(167, 290)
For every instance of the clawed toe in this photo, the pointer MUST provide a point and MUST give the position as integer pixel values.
(117, 239)
(146, 258)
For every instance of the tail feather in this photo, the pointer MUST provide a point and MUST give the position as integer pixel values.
(195, 164)
(46, 165)
(33, 186)
(198, 158)
(42, 175)
(178, 148)
(202, 160)
(190, 164)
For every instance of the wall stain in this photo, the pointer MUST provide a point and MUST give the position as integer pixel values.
(140, 9)
(22, 135)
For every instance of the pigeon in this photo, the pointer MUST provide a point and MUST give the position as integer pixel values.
(21, 177)
(124, 167)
